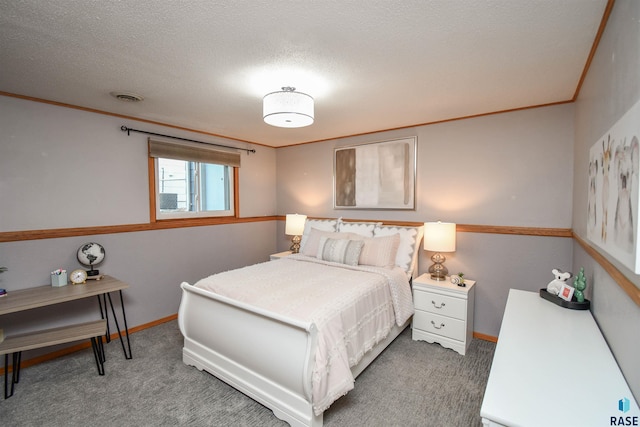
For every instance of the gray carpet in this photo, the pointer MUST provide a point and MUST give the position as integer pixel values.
(410, 384)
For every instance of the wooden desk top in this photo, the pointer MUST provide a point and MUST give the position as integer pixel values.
(26, 299)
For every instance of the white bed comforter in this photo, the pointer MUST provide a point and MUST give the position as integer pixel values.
(353, 307)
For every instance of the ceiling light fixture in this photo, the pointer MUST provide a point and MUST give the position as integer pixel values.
(287, 108)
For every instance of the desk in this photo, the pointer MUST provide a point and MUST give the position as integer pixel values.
(41, 296)
(552, 367)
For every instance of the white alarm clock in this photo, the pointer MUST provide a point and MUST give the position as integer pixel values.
(78, 277)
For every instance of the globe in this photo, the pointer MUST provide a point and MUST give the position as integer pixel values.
(91, 254)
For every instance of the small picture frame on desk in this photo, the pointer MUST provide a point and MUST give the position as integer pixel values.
(566, 292)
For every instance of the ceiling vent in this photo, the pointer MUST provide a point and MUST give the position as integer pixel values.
(127, 96)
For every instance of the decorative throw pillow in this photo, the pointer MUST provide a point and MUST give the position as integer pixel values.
(362, 228)
(379, 251)
(410, 238)
(344, 251)
(313, 240)
(319, 224)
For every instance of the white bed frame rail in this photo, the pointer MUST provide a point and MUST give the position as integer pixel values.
(262, 354)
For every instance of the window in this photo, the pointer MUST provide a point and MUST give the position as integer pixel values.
(192, 180)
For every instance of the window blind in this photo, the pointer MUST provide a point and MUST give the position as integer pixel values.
(193, 152)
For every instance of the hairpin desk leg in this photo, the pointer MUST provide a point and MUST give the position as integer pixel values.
(104, 314)
(126, 328)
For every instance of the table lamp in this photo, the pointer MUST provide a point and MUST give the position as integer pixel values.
(294, 226)
(439, 237)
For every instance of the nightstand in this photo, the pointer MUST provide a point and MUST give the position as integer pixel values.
(279, 255)
(444, 312)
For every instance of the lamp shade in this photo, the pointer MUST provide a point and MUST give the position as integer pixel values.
(288, 108)
(294, 225)
(440, 236)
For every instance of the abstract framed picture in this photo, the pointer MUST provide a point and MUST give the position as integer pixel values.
(612, 210)
(379, 175)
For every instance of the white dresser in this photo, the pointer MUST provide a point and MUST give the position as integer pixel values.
(444, 312)
(552, 367)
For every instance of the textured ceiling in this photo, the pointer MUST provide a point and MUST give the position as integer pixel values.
(370, 64)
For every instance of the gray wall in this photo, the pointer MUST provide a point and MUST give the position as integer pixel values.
(51, 156)
(612, 87)
(153, 263)
(512, 169)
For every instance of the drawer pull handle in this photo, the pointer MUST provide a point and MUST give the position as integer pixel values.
(436, 326)
(436, 306)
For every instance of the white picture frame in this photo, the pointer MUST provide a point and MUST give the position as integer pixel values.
(566, 292)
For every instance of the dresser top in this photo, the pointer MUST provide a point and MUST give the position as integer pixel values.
(552, 367)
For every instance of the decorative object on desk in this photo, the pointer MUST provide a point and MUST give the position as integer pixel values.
(573, 305)
(580, 284)
(294, 226)
(91, 254)
(458, 280)
(566, 292)
(78, 276)
(3, 292)
(59, 278)
(562, 294)
(439, 237)
(555, 286)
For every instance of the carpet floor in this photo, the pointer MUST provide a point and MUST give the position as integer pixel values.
(412, 383)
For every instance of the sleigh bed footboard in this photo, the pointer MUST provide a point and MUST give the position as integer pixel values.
(265, 355)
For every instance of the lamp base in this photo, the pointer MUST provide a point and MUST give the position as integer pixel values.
(295, 247)
(438, 271)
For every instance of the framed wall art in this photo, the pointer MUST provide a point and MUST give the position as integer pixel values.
(612, 210)
(380, 175)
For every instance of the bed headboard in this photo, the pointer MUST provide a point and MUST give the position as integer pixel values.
(408, 248)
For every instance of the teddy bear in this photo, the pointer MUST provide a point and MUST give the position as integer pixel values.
(556, 284)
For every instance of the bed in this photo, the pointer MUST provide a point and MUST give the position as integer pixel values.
(294, 333)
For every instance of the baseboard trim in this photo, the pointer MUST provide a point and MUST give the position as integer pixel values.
(68, 350)
(485, 337)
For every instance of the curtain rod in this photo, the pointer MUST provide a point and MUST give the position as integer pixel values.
(128, 130)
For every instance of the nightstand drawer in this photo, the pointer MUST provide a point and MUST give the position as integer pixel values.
(440, 325)
(440, 304)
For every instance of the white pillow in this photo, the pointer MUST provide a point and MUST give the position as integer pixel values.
(313, 240)
(379, 251)
(319, 224)
(410, 238)
(344, 251)
(362, 228)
